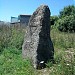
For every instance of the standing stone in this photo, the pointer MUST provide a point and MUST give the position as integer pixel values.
(37, 45)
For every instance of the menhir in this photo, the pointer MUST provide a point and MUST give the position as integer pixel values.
(37, 44)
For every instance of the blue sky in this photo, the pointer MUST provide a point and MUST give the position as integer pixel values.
(10, 8)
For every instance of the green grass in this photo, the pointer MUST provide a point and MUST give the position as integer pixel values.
(12, 63)
(64, 55)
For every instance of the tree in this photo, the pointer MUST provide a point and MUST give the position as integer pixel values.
(66, 20)
(53, 19)
(67, 24)
(68, 10)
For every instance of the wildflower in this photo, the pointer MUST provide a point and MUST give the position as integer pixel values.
(68, 64)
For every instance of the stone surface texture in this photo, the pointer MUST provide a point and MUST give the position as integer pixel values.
(37, 44)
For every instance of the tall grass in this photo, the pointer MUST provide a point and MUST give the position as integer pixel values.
(63, 39)
(64, 44)
(12, 63)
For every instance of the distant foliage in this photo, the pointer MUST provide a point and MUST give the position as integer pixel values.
(53, 19)
(67, 11)
(67, 24)
(66, 20)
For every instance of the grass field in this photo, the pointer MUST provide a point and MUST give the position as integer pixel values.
(12, 63)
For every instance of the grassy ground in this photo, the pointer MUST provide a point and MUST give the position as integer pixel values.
(12, 63)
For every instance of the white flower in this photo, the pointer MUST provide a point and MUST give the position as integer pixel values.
(68, 64)
(42, 62)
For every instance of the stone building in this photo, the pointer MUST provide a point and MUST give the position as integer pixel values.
(14, 20)
(22, 19)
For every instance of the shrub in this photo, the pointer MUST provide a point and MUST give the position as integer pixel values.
(67, 24)
(66, 21)
(67, 11)
(53, 19)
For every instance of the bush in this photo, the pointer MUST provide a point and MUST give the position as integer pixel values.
(67, 11)
(67, 24)
(66, 21)
(53, 19)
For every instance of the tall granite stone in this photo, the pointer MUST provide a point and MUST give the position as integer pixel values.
(37, 44)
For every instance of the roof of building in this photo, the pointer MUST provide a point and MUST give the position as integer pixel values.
(24, 15)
